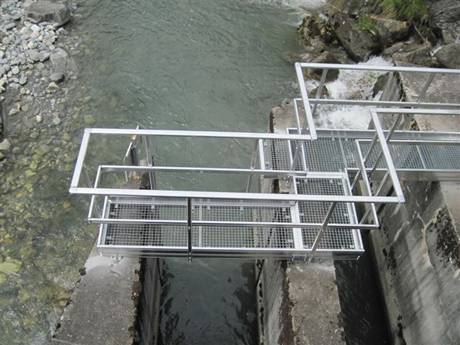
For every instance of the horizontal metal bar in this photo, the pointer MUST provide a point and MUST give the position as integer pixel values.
(346, 226)
(198, 134)
(418, 111)
(378, 68)
(229, 195)
(365, 102)
(208, 170)
(223, 250)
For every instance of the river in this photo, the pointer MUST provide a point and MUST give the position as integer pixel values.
(198, 64)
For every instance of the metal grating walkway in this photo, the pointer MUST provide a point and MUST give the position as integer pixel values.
(306, 192)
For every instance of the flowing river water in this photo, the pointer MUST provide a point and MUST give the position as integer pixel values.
(195, 64)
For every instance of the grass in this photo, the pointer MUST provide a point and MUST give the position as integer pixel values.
(366, 23)
(410, 10)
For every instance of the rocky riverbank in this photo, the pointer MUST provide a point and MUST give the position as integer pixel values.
(353, 31)
(43, 238)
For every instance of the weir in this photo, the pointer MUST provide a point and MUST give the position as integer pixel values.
(325, 175)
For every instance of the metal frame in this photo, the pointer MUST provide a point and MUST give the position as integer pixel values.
(325, 67)
(372, 167)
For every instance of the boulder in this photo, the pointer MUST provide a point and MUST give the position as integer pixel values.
(5, 145)
(324, 57)
(445, 16)
(449, 55)
(358, 44)
(390, 30)
(53, 11)
(418, 54)
(62, 63)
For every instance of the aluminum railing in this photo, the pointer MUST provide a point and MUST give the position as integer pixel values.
(325, 173)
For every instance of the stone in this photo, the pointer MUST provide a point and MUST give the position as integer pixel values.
(10, 266)
(14, 110)
(15, 70)
(449, 55)
(418, 54)
(89, 120)
(42, 150)
(57, 77)
(5, 145)
(35, 28)
(390, 30)
(57, 12)
(34, 135)
(38, 118)
(358, 44)
(52, 87)
(445, 16)
(23, 80)
(62, 63)
(56, 121)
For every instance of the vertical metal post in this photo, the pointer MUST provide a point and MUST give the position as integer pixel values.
(189, 228)
(253, 165)
(320, 233)
(306, 102)
(425, 87)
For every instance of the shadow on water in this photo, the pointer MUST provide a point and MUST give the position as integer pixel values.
(363, 308)
(208, 301)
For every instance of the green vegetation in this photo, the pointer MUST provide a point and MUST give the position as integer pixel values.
(411, 10)
(366, 23)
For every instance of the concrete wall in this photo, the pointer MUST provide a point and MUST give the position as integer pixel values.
(102, 309)
(417, 250)
(298, 302)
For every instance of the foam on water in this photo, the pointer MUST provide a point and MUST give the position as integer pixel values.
(350, 85)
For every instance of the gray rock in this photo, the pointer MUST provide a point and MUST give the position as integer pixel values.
(56, 121)
(5, 145)
(89, 120)
(57, 12)
(34, 55)
(390, 30)
(445, 15)
(358, 44)
(23, 80)
(57, 77)
(15, 70)
(449, 55)
(418, 54)
(62, 63)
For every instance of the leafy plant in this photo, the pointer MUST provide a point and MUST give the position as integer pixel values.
(411, 10)
(366, 23)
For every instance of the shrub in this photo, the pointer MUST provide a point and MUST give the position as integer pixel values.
(411, 10)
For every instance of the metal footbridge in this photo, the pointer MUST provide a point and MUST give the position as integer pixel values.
(305, 192)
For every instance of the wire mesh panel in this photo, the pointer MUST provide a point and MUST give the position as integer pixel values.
(335, 238)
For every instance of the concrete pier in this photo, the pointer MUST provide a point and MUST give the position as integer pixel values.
(298, 302)
(103, 306)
